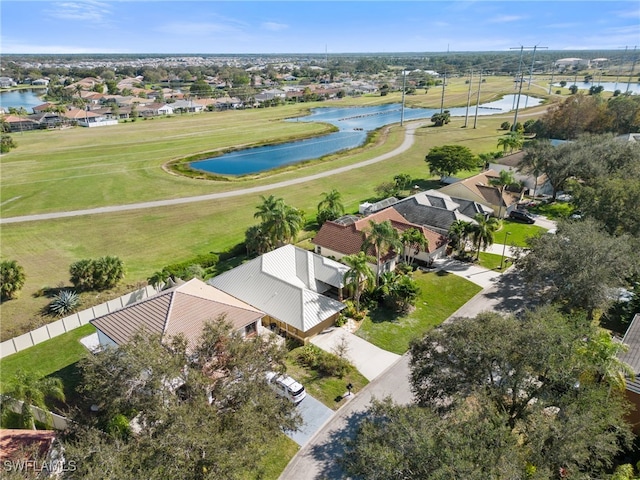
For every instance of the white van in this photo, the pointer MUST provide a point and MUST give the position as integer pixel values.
(286, 386)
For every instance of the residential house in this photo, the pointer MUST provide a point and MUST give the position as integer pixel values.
(190, 106)
(298, 290)
(45, 107)
(437, 210)
(181, 310)
(19, 124)
(632, 358)
(47, 119)
(345, 236)
(87, 118)
(479, 188)
(530, 182)
(155, 109)
(6, 82)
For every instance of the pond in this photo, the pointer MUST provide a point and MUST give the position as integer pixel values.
(25, 98)
(354, 124)
(622, 85)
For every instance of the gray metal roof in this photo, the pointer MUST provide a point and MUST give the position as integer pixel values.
(287, 284)
(632, 355)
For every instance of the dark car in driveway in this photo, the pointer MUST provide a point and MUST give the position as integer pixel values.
(521, 216)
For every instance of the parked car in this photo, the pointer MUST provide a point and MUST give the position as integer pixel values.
(286, 386)
(521, 216)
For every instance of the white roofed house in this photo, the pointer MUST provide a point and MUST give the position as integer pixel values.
(297, 289)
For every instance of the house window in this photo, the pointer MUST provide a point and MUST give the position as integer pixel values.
(251, 329)
(318, 249)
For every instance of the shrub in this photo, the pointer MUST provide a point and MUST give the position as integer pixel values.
(97, 274)
(12, 279)
(64, 303)
(7, 143)
(325, 363)
(505, 126)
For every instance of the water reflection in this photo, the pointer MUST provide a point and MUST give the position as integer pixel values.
(353, 122)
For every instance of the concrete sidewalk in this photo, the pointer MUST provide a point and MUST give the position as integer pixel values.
(370, 360)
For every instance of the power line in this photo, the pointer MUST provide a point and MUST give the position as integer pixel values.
(520, 79)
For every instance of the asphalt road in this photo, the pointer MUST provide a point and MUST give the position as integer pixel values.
(317, 459)
(406, 144)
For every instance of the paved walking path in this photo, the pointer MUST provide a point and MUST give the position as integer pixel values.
(406, 144)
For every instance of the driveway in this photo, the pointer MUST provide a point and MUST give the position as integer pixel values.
(370, 360)
(314, 415)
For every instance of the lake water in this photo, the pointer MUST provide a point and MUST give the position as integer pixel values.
(27, 98)
(353, 122)
(634, 87)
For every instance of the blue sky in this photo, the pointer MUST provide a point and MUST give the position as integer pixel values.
(239, 27)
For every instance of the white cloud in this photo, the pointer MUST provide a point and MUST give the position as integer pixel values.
(274, 27)
(505, 19)
(86, 11)
(27, 48)
(196, 28)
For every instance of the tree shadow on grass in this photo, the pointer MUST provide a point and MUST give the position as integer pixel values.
(383, 314)
(71, 377)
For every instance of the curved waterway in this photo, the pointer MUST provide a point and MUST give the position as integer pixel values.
(353, 122)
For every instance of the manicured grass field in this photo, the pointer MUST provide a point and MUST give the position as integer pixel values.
(149, 239)
(441, 295)
(518, 233)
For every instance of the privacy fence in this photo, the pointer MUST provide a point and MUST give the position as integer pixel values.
(66, 324)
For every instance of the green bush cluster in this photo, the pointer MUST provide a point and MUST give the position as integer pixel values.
(192, 268)
(97, 273)
(323, 362)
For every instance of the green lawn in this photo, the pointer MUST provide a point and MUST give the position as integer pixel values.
(328, 390)
(492, 261)
(278, 453)
(441, 295)
(518, 233)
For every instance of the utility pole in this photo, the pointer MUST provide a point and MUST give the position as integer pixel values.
(444, 82)
(404, 83)
(624, 55)
(466, 116)
(520, 76)
(533, 59)
(553, 70)
(633, 67)
(475, 119)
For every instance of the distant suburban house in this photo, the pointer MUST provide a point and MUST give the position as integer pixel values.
(88, 118)
(155, 109)
(40, 82)
(6, 82)
(189, 106)
(44, 107)
(632, 357)
(345, 236)
(511, 163)
(47, 119)
(183, 310)
(19, 124)
(478, 188)
(437, 210)
(298, 290)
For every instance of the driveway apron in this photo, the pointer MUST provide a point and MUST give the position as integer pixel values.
(370, 360)
(314, 415)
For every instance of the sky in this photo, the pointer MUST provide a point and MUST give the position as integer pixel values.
(244, 27)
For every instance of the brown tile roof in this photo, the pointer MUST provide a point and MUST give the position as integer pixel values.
(23, 444)
(180, 310)
(79, 114)
(347, 239)
(480, 184)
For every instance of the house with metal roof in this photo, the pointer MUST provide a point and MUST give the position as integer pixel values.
(181, 310)
(346, 235)
(632, 358)
(298, 290)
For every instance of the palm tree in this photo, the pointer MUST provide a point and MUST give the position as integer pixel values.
(602, 354)
(382, 238)
(534, 161)
(280, 222)
(458, 233)
(482, 232)
(32, 391)
(256, 240)
(512, 141)
(330, 207)
(359, 276)
(505, 180)
(413, 241)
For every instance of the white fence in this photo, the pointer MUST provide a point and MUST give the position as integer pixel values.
(66, 324)
(53, 420)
